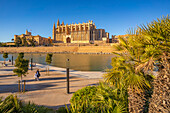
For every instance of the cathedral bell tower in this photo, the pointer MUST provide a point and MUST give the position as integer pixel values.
(54, 33)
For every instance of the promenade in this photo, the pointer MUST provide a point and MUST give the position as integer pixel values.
(50, 91)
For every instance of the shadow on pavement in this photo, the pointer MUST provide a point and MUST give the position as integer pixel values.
(52, 78)
(6, 69)
(7, 75)
(13, 88)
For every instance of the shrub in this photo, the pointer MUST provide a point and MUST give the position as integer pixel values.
(10, 104)
(109, 99)
(62, 110)
(82, 99)
(99, 99)
(33, 108)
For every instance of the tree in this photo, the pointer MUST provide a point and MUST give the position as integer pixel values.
(124, 74)
(32, 42)
(156, 43)
(21, 55)
(145, 50)
(1, 44)
(24, 41)
(22, 66)
(18, 41)
(5, 55)
(48, 60)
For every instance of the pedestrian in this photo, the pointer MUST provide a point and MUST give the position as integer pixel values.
(37, 75)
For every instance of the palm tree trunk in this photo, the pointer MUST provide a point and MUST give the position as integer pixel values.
(160, 101)
(136, 100)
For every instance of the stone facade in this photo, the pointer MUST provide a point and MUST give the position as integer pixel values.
(78, 33)
(37, 39)
(115, 39)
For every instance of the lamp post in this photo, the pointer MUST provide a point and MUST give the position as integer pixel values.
(31, 60)
(12, 59)
(67, 71)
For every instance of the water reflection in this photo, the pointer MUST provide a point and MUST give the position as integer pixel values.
(82, 62)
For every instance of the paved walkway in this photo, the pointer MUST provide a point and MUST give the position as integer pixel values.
(50, 91)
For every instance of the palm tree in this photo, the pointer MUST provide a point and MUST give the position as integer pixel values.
(156, 42)
(124, 74)
(160, 98)
(146, 49)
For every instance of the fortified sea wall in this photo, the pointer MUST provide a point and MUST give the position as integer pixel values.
(60, 49)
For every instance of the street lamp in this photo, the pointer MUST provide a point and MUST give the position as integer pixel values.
(67, 71)
(31, 60)
(12, 59)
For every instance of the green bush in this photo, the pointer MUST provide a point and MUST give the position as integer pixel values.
(62, 110)
(32, 108)
(99, 99)
(82, 99)
(10, 105)
(109, 99)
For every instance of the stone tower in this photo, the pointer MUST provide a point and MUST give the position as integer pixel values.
(54, 32)
(26, 33)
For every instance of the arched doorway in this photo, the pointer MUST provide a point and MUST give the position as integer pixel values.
(68, 40)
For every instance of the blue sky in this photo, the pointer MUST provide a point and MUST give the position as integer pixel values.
(115, 16)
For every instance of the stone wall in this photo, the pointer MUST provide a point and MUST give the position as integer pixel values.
(71, 49)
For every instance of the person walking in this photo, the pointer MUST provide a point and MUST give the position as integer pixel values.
(37, 75)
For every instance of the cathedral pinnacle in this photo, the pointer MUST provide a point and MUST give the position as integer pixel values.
(58, 23)
(63, 23)
(54, 25)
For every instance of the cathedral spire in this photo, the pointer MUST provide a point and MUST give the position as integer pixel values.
(63, 23)
(54, 33)
(54, 25)
(58, 23)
